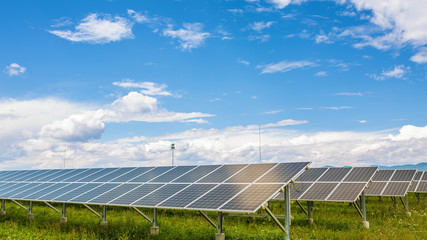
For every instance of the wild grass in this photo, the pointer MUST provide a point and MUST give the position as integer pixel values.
(331, 221)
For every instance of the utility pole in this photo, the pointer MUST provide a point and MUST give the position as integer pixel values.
(172, 151)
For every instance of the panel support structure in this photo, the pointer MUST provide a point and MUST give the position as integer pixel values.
(52, 207)
(276, 220)
(220, 235)
(142, 214)
(93, 211)
(358, 209)
(309, 208)
(63, 218)
(407, 205)
(30, 214)
(302, 208)
(287, 211)
(104, 221)
(17, 203)
(362, 204)
(154, 230)
(3, 207)
(208, 219)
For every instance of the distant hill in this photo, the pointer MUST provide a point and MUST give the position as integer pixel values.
(418, 166)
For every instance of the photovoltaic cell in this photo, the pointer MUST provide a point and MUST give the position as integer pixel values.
(135, 194)
(403, 175)
(422, 187)
(48, 194)
(17, 175)
(395, 189)
(26, 192)
(16, 190)
(222, 173)
(159, 195)
(172, 174)
(252, 197)
(196, 174)
(424, 177)
(282, 172)
(217, 197)
(188, 195)
(43, 189)
(360, 174)
(132, 174)
(347, 192)
(67, 175)
(98, 174)
(29, 174)
(8, 174)
(10, 187)
(116, 192)
(54, 175)
(76, 192)
(298, 189)
(318, 192)
(151, 174)
(311, 175)
(45, 174)
(383, 175)
(334, 175)
(114, 174)
(251, 173)
(375, 188)
(413, 186)
(81, 175)
(93, 193)
(418, 175)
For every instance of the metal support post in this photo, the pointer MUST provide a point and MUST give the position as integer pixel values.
(275, 219)
(142, 214)
(63, 218)
(93, 211)
(394, 201)
(287, 211)
(208, 219)
(302, 208)
(418, 197)
(309, 219)
(3, 207)
(30, 214)
(358, 209)
(154, 230)
(407, 205)
(104, 221)
(220, 235)
(362, 203)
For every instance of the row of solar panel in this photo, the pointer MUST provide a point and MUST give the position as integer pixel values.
(331, 184)
(277, 173)
(211, 194)
(393, 183)
(419, 185)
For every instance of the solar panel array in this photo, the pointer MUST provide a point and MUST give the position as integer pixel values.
(393, 183)
(239, 187)
(419, 184)
(331, 184)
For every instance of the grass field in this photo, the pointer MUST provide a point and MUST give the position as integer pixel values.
(331, 221)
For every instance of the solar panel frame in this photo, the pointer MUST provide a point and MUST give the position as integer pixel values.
(397, 183)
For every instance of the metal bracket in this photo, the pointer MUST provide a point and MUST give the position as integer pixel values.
(275, 219)
(299, 204)
(17, 203)
(358, 209)
(208, 219)
(142, 214)
(93, 211)
(54, 209)
(401, 199)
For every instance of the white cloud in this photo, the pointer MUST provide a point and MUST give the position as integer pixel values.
(260, 26)
(321, 74)
(399, 71)
(262, 38)
(420, 57)
(323, 38)
(349, 94)
(273, 112)
(137, 16)
(403, 21)
(97, 28)
(362, 121)
(247, 63)
(14, 69)
(280, 4)
(148, 88)
(190, 36)
(337, 108)
(61, 22)
(284, 66)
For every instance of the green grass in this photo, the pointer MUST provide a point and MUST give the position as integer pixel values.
(331, 221)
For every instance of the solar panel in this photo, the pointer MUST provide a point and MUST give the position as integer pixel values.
(188, 195)
(238, 187)
(422, 187)
(394, 183)
(419, 183)
(331, 184)
(424, 177)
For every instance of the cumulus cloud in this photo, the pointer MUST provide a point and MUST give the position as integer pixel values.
(97, 28)
(284, 66)
(190, 36)
(148, 88)
(14, 69)
(137, 16)
(399, 71)
(403, 21)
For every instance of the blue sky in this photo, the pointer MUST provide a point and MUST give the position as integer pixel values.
(114, 83)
